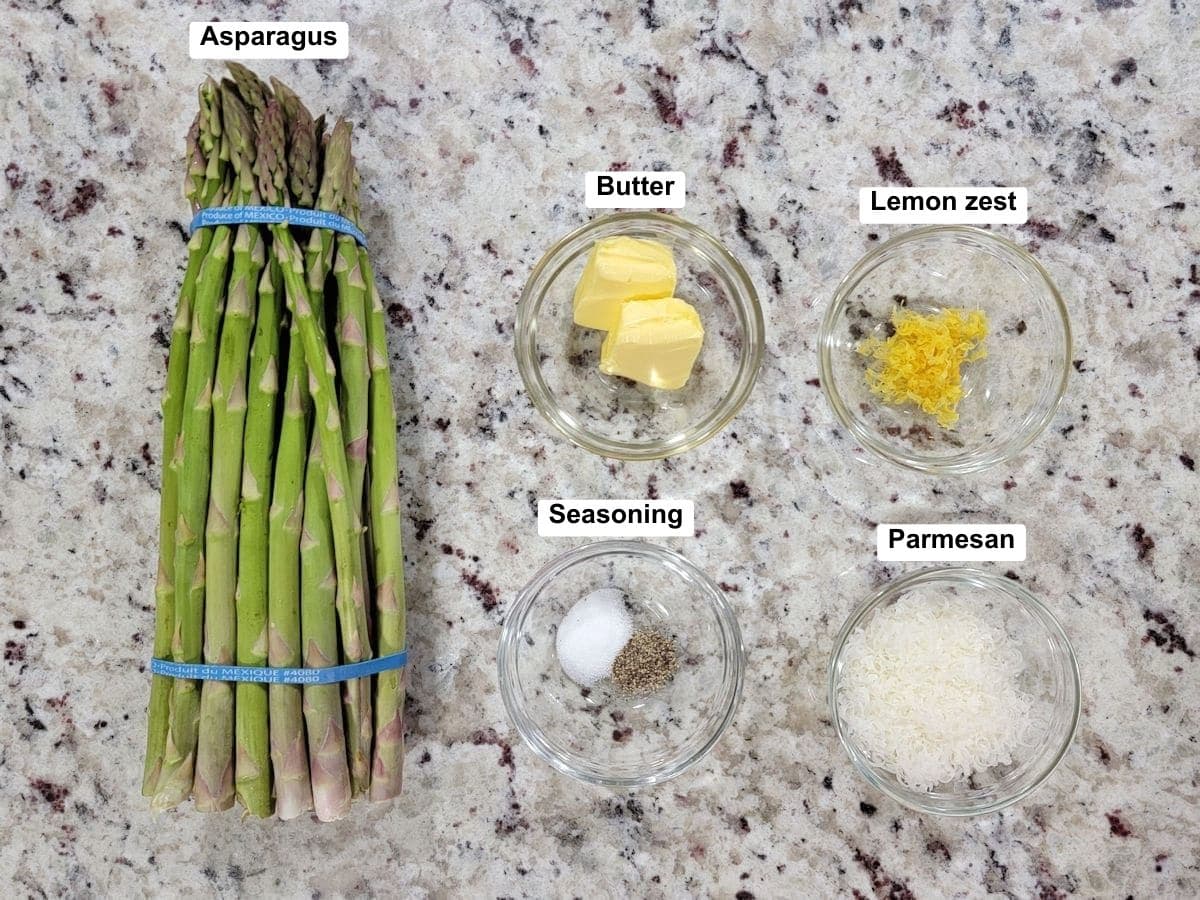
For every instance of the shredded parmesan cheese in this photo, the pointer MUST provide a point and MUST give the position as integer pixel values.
(930, 692)
(921, 362)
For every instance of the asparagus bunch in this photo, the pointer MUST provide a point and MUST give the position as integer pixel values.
(280, 510)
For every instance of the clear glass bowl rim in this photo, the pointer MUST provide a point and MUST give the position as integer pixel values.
(963, 463)
(959, 575)
(745, 299)
(506, 658)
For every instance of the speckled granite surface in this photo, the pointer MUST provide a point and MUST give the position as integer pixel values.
(475, 124)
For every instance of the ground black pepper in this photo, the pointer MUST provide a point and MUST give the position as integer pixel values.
(646, 663)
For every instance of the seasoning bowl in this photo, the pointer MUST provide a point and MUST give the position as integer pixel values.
(1049, 676)
(610, 415)
(1008, 397)
(597, 734)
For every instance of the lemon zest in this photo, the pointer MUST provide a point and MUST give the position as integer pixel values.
(921, 362)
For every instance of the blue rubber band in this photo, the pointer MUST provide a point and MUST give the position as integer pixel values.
(273, 215)
(267, 675)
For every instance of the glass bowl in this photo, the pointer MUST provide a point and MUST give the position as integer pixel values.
(1009, 396)
(1050, 678)
(597, 734)
(610, 415)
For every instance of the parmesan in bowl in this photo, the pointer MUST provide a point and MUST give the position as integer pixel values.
(954, 691)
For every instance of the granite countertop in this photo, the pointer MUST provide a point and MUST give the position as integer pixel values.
(474, 125)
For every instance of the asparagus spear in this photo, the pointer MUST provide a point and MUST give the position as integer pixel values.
(318, 621)
(352, 358)
(252, 759)
(200, 191)
(293, 793)
(252, 764)
(318, 255)
(327, 418)
(354, 384)
(251, 89)
(194, 453)
(333, 197)
(288, 100)
(351, 605)
(303, 148)
(214, 756)
(388, 763)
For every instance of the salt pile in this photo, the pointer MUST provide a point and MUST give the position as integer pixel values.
(591, 635)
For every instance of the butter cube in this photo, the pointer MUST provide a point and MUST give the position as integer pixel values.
(654, 342)
(620, 269)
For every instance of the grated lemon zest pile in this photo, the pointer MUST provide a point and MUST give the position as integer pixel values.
(921, 362)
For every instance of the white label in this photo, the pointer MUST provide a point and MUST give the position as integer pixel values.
(943, 205)
(269, 40)
(634, 190)
(616, 518)
(950, 543)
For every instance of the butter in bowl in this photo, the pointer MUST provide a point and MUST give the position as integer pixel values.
(627, 289)
(639, 336)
